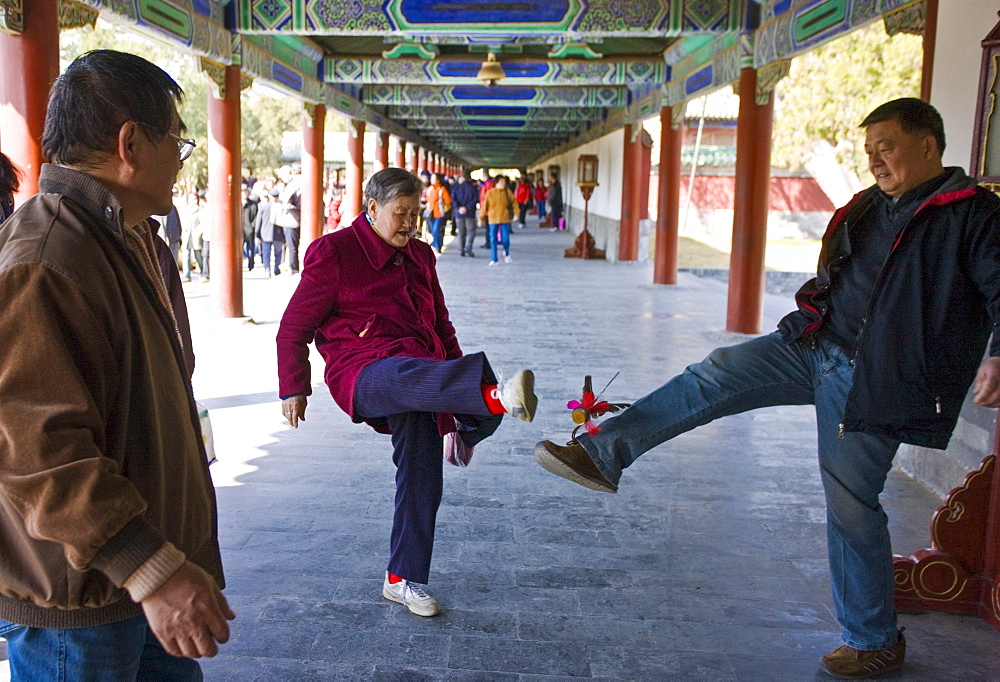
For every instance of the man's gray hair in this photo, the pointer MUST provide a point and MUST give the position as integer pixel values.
(391, 183)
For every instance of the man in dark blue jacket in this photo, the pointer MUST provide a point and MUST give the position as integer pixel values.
(885, 343)
(465, 197)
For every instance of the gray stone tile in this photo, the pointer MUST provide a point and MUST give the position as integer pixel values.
(709, 563)
(510, 655)
(387, 647)
(571, 576)
(625, 662)
(358, 615)
(548, 627)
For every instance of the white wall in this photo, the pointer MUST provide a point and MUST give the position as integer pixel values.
(607, 197)
(961, 27)
(605, 207)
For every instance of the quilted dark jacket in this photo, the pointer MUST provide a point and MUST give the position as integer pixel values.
(934, 306)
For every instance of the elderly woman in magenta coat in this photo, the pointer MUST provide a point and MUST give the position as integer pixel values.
(370, 299)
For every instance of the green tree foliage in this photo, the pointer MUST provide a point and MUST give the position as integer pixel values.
(264, 117)
(830, 90)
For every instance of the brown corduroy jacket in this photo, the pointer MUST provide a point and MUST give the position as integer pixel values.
(101, 457)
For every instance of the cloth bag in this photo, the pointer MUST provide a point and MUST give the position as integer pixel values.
(456, 451)
(206, 432)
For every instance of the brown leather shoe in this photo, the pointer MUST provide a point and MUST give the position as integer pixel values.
(573, 463)
(848, 663)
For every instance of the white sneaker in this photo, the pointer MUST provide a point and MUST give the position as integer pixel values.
(506, 259)
(412, 596)
(517, 395)
(492, 263)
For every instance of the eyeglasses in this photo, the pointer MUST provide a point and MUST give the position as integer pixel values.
(185, 146)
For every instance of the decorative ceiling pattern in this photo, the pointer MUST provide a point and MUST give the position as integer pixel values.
(571, 70)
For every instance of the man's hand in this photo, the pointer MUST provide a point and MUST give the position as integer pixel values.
(294, 409)
(188, 613)
(986, 388)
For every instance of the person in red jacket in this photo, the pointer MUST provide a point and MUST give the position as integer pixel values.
(523, 197)
(370, 299)
(541, 194)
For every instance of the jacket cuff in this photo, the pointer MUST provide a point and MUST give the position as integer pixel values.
(130, 548)
(154, 572)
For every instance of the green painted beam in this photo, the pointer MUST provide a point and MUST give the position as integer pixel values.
(520, 72)
(500, 95)
(516, 113)
(579, 20)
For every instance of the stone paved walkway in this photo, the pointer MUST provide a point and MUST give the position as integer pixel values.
(708, 564)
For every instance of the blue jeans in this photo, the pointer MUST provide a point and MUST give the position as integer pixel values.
(437, 232)
(266, 248)
(764, 372)
(116, 652)
(504, 229)
(186, 265)
(541, 208)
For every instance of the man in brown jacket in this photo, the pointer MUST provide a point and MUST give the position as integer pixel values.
(109, 558)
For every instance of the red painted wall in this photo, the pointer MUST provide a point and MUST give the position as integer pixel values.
(716, 192)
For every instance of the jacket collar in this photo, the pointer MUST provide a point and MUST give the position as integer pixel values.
(378, 252)
(93, 197)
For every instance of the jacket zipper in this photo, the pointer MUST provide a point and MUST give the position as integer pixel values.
(868, 310)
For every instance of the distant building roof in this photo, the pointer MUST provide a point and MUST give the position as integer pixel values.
(721, 105)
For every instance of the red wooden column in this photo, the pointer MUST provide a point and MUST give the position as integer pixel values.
(668, 199)
(381, 151)
(628, 235)
(224, 190)
(646, 152)
(751, 194)
(314, 125)
(421, 159)
(929, 44)
(29, 63)
(400, 153)
(355, 170)
(414, 158)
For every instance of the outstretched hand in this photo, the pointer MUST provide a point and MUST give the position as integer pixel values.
(294, 409)
(188, 613)
(986, 388)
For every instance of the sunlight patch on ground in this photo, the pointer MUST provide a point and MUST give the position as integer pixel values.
(788, 255)
(235, 449)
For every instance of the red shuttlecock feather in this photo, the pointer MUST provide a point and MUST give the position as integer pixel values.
(585, 410)
(589, 406)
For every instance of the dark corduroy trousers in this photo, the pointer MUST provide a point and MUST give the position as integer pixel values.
(408, 393)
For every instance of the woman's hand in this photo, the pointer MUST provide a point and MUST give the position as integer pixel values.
(294, 409)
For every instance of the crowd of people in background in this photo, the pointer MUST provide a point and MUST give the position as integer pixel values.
(495, 204)
(271, 217)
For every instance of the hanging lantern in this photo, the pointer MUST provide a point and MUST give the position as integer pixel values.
(586, 170)
(491, 70)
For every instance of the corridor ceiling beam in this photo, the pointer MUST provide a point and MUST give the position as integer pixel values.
(575, 70)
(530, 72)
(386, 95)
(581, 20)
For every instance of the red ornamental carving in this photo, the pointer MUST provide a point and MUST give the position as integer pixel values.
(958, 573)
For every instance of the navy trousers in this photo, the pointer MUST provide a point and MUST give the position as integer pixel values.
(407, 394)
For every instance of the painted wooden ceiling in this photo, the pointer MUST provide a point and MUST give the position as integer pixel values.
(574, 70)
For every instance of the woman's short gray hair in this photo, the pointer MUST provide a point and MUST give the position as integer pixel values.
(391, 183)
